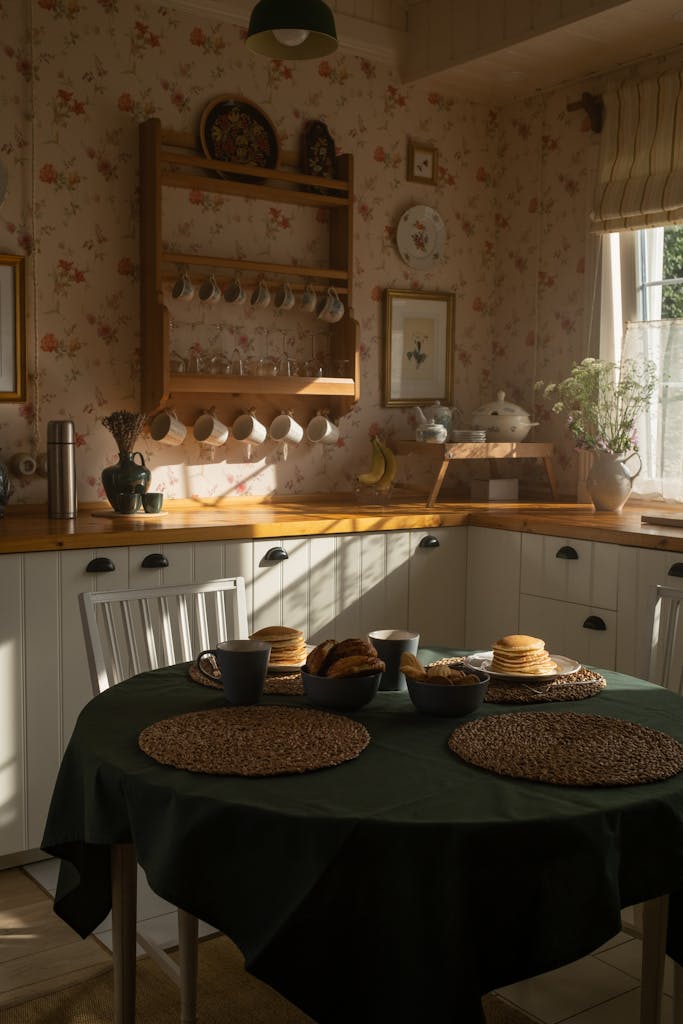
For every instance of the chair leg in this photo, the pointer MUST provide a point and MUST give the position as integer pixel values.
(655, 918)
(678, 994)
(123, 912)
(188, 933)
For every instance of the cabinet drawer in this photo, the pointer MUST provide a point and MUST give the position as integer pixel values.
(563, 569)
(640, 571)
(585, 633)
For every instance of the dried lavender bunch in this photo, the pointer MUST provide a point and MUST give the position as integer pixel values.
(125, 427)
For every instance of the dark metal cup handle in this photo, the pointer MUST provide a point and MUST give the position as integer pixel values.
(198, 663)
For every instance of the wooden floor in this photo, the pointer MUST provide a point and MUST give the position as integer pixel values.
(38, 952)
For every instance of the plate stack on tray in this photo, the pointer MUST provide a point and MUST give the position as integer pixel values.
(469, 436)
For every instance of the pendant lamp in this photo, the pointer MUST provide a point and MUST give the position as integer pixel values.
(292, 29)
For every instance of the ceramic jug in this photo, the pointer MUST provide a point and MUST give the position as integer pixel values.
(610, 480)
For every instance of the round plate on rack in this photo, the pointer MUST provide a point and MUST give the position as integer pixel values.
(420, 237)
(239, 132)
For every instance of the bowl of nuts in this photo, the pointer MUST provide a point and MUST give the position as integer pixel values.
(342, 676)
(449, 689)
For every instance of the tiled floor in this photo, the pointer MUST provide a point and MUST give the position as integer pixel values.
(602, 988)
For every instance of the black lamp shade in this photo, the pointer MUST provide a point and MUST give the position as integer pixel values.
(311, 16)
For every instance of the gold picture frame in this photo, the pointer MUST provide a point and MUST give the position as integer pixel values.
(418, 347)
(423, 163)
(12, 328)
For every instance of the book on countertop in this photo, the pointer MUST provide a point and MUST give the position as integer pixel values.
(663, 519)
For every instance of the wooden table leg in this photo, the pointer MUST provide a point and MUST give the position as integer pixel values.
(437, 483)
(655, 916)
(550, 473)
(123, 912)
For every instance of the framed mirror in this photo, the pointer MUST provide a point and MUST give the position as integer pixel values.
(12, 328)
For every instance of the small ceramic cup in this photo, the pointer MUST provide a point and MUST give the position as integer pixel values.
(332, 310)
(166, 428)
(128, 502)
(234, 293)
(308, 299)
(208, 429)
(248, 430)
(260, 297)
(183, 289)
(285, 428)
(23, 465)
(322, 430)
(152, 501)
(284, 297)
(209, 292)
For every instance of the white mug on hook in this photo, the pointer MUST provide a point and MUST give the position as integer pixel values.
(234, 293)
(308, 299)
(183, 289)
(332, 310)
(260, 297)
(209, 291)
(320, 429)
(208, 429)
(166, 428)
(284, 298)
(248, 429)
(285, 428)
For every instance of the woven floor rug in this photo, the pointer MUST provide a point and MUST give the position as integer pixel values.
(227, 995)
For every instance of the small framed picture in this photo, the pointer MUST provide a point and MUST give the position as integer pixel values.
(423, 163)
(12, 338)
(418, 347)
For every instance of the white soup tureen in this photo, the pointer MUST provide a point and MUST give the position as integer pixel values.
(502, 421)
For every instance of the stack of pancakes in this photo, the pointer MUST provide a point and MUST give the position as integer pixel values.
(521, 655)
(287, 645)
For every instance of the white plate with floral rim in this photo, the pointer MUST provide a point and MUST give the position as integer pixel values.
(483, 659)
(420, 237)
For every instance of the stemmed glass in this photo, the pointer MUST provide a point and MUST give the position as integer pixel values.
(313, 367)
(266, 365)
(219, 361)
(284, 363)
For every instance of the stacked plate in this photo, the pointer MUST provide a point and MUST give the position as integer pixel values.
(476, 436)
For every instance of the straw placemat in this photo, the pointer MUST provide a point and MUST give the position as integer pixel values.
(568, 749)
(277, 684)
(254, 740)
(574, 686)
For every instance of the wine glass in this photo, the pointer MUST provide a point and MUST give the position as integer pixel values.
(313, 367)
(265, 365)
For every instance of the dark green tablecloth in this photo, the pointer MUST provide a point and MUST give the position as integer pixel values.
(396, 888)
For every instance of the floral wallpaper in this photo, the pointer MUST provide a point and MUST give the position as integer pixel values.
(514, 185)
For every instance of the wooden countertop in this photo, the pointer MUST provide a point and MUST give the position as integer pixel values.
(27, 528)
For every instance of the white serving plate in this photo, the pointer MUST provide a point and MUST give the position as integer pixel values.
(483, 659)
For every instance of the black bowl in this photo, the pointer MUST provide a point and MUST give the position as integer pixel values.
(340, 693)
(449, 701)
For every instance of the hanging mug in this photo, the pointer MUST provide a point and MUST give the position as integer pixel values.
(322, 430)
(209, 291)
(166, 428)
(284, 298)
(234, 293)
(208, 429)
(183, 289)
(248, 430)
(332, 310)
(260, 297)
(285, 429)
(308, 299)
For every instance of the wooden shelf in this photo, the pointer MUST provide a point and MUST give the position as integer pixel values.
(448, 453)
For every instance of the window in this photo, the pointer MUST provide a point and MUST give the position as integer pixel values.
(642, 316)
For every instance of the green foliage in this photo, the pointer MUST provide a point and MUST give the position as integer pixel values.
(602, 400)
(672, 294)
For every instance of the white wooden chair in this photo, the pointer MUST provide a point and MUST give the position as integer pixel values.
(666, 669)
(132, 631)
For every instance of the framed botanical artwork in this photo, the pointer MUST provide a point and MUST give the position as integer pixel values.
(423, 163)
(12, 329)
(418, 347)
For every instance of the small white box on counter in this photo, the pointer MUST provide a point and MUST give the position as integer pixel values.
(504, 489)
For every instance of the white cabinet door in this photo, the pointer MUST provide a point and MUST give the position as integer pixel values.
(146, 568)
(584, 633)
(580, 571)
(12, 642)
(280, 583)
(438, 585)
(493, 581)
(640, 570)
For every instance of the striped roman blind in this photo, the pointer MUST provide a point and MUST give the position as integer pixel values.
(640, 172)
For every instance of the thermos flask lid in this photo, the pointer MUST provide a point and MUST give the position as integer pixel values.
(60, 432)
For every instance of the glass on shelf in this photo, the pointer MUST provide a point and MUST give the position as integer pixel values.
(236, 365)
(313, 367)
(177, 363)
(265, 365)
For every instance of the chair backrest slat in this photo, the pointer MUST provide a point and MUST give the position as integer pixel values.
(666, 640)
(132, 631)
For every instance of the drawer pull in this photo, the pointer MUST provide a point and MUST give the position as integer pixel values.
(429, 542)
(594, 622)
(155, 561)
(567, 552)
(100, 565)
(676, 569)
(275, 555)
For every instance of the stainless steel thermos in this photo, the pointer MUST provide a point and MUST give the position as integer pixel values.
(61, 470)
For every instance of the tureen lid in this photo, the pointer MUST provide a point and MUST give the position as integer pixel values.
(501, 408)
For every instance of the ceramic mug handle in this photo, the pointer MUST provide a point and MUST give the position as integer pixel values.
(198, 663)
(640, 464)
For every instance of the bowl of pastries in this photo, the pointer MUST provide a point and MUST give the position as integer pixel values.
(342, 675)
(449, 690)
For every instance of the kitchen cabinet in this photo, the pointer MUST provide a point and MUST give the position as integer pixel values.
(568, 595)
(493, 584)
(640, 570)
(437, 586)
(170, 165)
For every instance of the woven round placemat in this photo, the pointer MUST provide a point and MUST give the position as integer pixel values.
(278, 684)
(568, 749)
(254, 740)
(575, 686)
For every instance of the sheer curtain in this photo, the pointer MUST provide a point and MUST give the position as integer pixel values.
(660, 428)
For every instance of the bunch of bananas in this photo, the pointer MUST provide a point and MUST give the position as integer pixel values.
(382, 468)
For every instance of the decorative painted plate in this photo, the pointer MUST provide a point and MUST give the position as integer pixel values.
(239, 132)
(420, 237)
(319, 154)
(482, 660)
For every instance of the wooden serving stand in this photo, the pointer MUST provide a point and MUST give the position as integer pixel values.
(448, 453)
